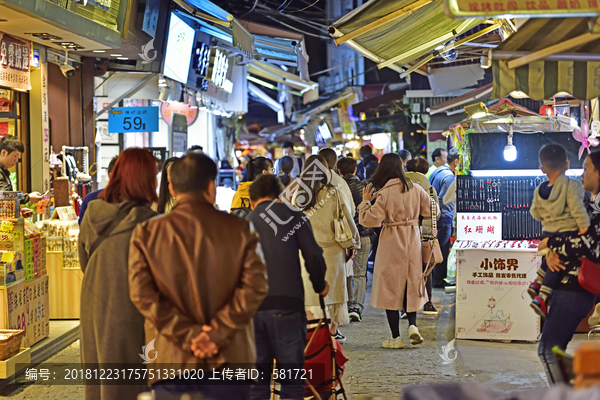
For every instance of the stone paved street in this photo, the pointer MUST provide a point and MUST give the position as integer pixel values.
(374, 372)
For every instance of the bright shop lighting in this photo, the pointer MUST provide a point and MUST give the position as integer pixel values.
(520, 172)
(98, 51)
(510, 151)
(478, 110)
(116, 55)
(380, 140)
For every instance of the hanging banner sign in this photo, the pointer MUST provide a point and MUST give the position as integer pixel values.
(521, 8)
(133, 119)
(15, 58)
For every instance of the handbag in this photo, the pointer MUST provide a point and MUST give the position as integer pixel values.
(431, 251)
(589, 276)
(343, 233)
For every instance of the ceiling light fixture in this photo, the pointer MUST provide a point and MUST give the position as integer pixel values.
(98, 51)
(122, 58)
(510, 151)
(164, 93)
(116, 55)
(193, 101)
(475, 111)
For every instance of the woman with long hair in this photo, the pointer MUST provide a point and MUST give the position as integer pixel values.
(570, 301)
(398, 263)
(319, 200)
(255, 167)
(166, 202)
(416, 169)
(111, 327)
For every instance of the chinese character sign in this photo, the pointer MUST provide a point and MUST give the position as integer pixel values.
(491, 294)
(479, 226)
(133, 119)
(15, 56)
(522, 8)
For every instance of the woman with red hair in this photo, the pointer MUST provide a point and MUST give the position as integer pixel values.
(111, 328)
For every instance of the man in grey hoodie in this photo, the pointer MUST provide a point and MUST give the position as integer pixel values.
(558, 205)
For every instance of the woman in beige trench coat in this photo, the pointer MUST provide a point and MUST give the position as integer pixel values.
(318, 199)
(398, 265)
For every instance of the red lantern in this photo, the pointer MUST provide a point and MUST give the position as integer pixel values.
(546, 111)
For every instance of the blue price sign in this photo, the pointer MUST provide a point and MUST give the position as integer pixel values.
(133, 119)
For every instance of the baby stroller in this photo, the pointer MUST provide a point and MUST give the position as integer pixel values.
(325, 359)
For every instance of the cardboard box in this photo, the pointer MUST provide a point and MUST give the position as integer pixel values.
(38, 315)
(491, 294)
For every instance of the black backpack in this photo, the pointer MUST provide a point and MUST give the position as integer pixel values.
(244, 210)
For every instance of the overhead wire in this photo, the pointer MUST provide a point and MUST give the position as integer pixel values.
(296, 29)
(305, 8)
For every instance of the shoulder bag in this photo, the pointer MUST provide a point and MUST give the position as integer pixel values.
(589, 276)
(343, 233)
(430, 247)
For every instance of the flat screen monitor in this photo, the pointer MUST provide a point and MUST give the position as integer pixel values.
(179, 49)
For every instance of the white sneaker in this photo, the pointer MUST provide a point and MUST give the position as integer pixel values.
(594, 319)
(392, 343)
(415, 336)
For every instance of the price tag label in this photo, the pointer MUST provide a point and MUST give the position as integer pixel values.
(64, 213)
(133, 119)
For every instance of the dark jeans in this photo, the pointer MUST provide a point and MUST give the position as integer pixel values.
(567, 310)
(173, 389)
(551, 278)
(280, 335)
(440, 271)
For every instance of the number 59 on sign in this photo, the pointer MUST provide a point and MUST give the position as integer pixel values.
(133, 119)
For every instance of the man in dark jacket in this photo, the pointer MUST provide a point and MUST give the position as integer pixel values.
(94, 195)
(197, 276)
(11, 149)
(356, 296)
(280, 323)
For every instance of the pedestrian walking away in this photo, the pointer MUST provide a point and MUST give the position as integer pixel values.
(280, 323)
(111, 328)
(396, 280)
(197, 276)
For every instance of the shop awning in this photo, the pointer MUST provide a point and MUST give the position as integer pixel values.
(547, 56)
(309, 90)
(208, 11)
(268, 101)
(325, 106)
(441, 122)
(294, 43)
(378, 101)
(393, 33)
(472, 96)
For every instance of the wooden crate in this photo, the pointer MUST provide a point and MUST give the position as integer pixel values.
(64, 288)
(9, 367)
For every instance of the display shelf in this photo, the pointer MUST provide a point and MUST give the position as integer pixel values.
(64, 288)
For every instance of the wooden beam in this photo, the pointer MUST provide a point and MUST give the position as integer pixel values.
(557, 48)
(382, 21)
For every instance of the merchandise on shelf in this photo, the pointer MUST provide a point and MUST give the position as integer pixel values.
(62, 236)
(10, 204)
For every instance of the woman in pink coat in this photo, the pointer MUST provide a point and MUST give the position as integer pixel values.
(398, 265)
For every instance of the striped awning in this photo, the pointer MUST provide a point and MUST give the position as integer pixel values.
(392, 33)
(547, 56)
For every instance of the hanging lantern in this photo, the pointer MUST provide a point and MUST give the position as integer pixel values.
(547, 111)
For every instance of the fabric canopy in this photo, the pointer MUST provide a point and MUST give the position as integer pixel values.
(467, 98)
(375, 102)
(309, 90)
(394, 32)
(547, 56)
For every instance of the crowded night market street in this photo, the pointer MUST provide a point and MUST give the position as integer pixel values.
(300, 199)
